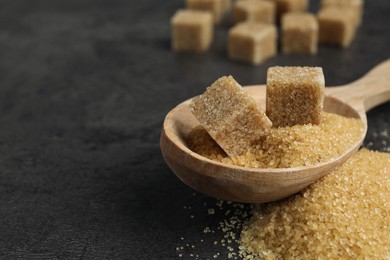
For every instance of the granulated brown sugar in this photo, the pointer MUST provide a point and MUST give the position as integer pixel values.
(345, 214)
(286, 147)
(350, 205)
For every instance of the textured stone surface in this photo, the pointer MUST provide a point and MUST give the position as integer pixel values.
(84, 89)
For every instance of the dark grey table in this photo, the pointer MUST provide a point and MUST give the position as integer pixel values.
(84, 88)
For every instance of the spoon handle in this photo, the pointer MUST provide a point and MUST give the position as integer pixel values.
(367, 92)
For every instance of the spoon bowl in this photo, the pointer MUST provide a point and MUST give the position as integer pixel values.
(254, 185)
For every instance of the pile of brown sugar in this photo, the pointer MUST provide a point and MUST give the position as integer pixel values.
(345, 214)
(287, 147)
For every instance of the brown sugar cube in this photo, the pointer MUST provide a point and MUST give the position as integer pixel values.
(336, 26)
(213, 6)
(299, 33)
(254, 10)
(252, 42)
(226, 6)
(354, 5)
(284, 6)
(230, 116)
(295, 95)
(191, 30)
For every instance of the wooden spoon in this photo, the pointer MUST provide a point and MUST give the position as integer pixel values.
(255, 185)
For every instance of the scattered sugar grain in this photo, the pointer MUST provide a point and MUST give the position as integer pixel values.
(384, 133)
(228, 229)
